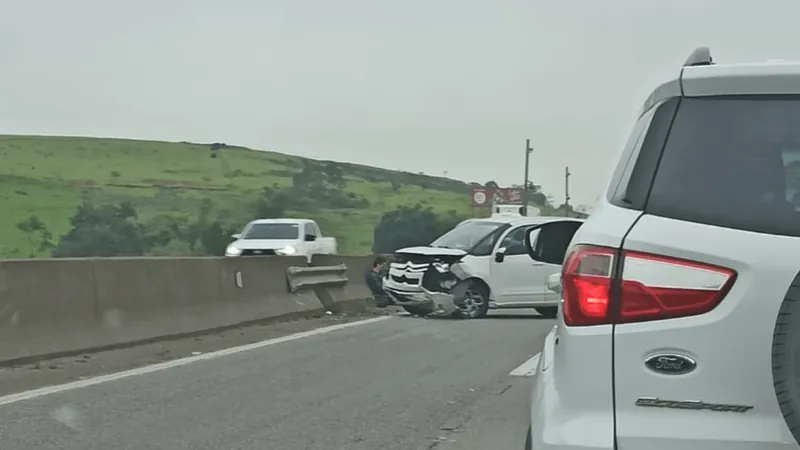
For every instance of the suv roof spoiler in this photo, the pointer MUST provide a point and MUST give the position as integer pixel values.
(701, 56)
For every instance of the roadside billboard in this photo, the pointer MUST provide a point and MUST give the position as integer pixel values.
(484, 196)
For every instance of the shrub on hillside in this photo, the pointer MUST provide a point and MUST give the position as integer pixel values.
(114, 230)
(105, 230)
(410, 226)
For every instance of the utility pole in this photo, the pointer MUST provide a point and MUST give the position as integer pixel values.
(528, 151)
(566, 190)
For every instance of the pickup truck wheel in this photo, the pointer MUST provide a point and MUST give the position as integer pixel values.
(549, 312)
(414, 311)
(472, 299)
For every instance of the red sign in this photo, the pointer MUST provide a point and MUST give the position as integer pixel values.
(483, 196)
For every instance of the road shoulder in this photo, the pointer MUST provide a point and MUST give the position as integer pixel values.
(55, 371)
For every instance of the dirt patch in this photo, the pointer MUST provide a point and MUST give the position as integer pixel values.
(168, 185)
(82, 183)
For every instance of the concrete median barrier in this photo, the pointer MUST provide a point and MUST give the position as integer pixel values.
(67, 306)
(257, 287)
(141, 299)
(46, 306)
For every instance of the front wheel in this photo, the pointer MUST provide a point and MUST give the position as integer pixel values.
(472, 299)
(548, 312)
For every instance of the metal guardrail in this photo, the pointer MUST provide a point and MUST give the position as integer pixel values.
(300, 278)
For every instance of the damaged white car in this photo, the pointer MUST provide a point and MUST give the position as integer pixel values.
(481, 264)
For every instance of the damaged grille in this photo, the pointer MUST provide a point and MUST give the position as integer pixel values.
(425, 271)
(405, 279)
(437, 281)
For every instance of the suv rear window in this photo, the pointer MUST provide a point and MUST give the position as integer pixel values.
(733, 162)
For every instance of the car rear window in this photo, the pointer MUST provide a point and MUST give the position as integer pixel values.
(733, 162)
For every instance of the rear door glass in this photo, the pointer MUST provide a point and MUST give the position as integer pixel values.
(733, 162)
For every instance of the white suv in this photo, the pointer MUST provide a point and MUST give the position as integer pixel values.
(679, 326)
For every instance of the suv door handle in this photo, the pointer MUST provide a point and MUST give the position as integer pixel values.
(537, 264)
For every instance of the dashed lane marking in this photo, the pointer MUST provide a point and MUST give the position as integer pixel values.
(36, 393)
(528, 368)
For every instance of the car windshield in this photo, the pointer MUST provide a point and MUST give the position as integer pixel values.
(273, 231)
(466, 235)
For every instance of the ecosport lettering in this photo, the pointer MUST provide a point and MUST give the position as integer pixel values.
(655, 402)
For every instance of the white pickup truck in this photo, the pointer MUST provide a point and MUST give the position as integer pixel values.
(281, 237)
(481, 264)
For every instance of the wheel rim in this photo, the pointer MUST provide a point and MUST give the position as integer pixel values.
(473, 303)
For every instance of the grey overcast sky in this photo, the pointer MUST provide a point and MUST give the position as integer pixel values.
(419, 85)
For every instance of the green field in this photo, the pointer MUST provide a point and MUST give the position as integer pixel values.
(49, 176)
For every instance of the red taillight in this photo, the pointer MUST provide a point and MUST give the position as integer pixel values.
(651, 287)
(585, 282)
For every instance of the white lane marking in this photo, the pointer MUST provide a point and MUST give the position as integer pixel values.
(528, 368)
(28, 395)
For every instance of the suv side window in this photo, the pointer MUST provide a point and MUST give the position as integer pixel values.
(643, 150)
(732, 162)
(623, 171)
(514, 242)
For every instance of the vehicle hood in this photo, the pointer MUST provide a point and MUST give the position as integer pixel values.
(449, 255)
(263, 244)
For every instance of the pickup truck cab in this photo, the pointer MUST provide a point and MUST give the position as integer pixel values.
(281, 237)
(478, 265)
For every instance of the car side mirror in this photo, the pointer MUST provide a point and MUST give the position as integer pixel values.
(500, 256)
(236, 236)
(554, 283)
(310, 238)
(548, 243)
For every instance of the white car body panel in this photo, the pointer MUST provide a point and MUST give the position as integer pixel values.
(270, 244)
(744, 358)
(517, 282)
(431, 251)
(717, 284)
(573, 403)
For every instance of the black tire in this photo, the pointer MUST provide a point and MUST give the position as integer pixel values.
(475, 291)
(786, 357)
(528, 439)
(415, 311)
(549, 312)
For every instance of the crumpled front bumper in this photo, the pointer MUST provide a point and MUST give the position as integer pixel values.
(439, 303)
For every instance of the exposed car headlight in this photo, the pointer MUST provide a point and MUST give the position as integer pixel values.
(448, 284)
(457, 269)
(441, 267)
(232, 251)
(288, 250)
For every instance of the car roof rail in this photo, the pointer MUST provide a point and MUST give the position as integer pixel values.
(701, 56)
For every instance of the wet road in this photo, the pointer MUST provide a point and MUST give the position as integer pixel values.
(387, 383)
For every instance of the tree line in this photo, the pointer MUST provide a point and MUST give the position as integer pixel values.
(105, 230)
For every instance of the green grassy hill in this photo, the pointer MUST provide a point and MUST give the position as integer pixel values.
(48, 177)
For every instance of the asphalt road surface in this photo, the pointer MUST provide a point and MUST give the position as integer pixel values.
(386, 383)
